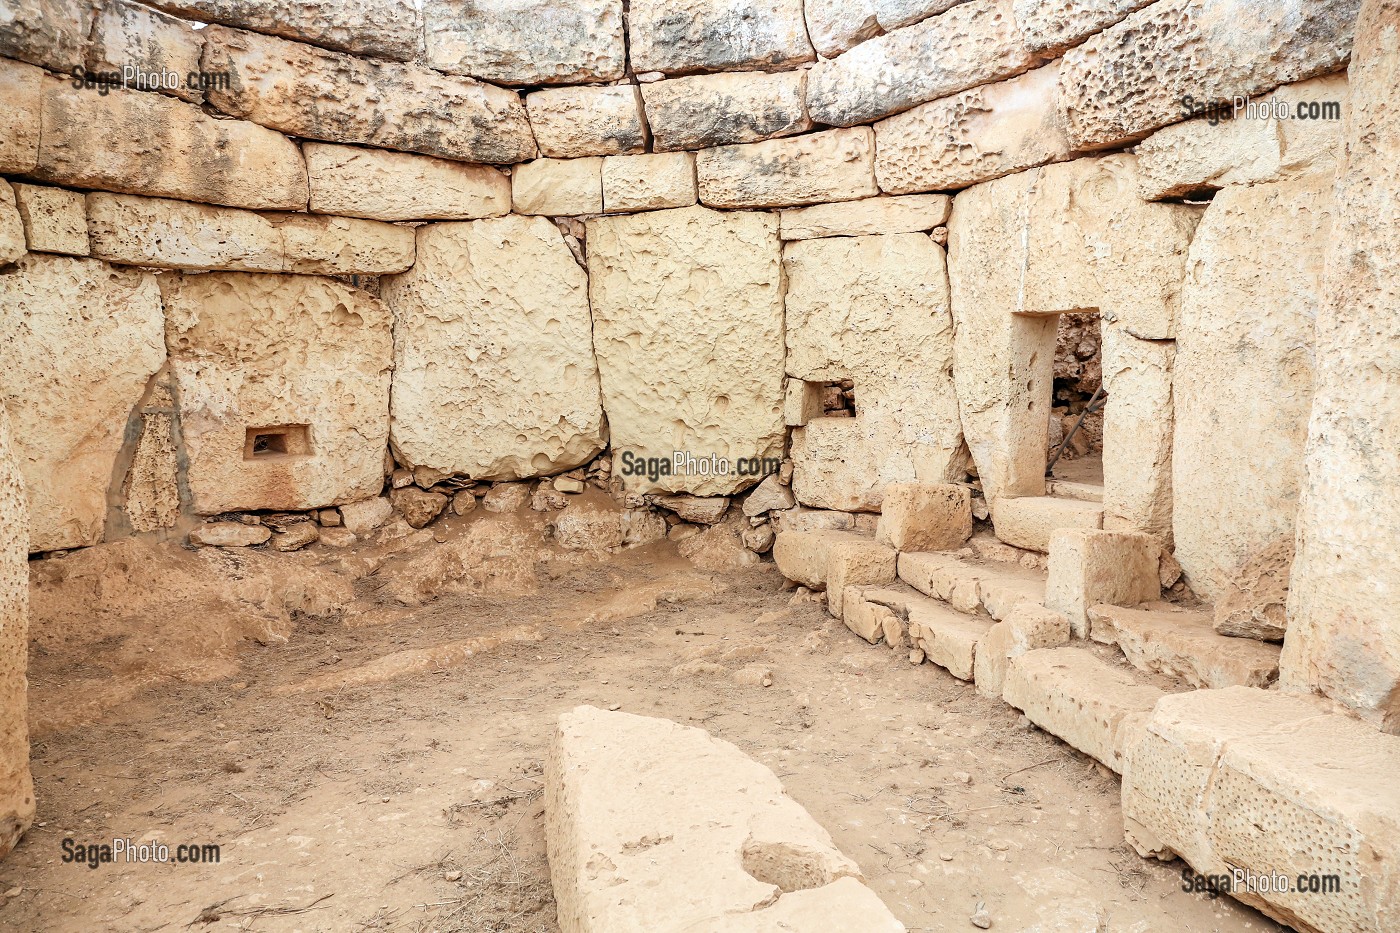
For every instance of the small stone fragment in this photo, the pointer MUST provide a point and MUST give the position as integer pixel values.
(417, 506)
(296, 536)
(229, 534)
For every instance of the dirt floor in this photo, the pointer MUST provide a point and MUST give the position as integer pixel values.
(377, 766)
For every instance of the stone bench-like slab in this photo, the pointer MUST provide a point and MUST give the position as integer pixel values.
(1183, 644)
(970, 586)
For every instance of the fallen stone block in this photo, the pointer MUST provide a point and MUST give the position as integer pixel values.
(20, 107)
(836, 165)
(1030, 522)
(702, 111)
(856, 562)
(1087, 568)
(1026, 628)
(230, 534)
(925, 517)
(382, 185)
(48, 33)
(912, 213)
(689, 36)
(155, 44)
(801, 556)
(867, 611)
(390, 29)
(364, 516)
(649, 819)
(558, 187)
(770, 495)
(651, 182)
(1089, 704)
(572, 122)
(55, 219)
(527, 42)
(1183, 645)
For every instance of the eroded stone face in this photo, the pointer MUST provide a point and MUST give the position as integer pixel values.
(648, 182)
(867, 217)
(558, 187)
(283, 389)
(689, 36)
(12, 236)
(381, 28)
(85, 339)
(837, 25)
(19, 116)
(49, 33)
(1055, 26)
(55, 219)
(16, 784)
(127, 35)
(527, 41)
(494, 371)
(833, 166)
(688, 328)
(1137, 433)
(381, 185)
(587, 121)
(701, 111)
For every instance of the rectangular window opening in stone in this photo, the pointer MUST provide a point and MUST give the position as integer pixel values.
(277, 442)
(1075, 440)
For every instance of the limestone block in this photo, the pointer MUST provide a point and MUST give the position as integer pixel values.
(971, 44)
(947, 638)
(925, 517)
(1054, 27)
(283, 389)
(527, 41)
(967, 586)
(1071, 694)
(1183, 645)
(991, 660)
(688, 36)
(802, 401)
(864, 611)
(1027, 627)
(586, 526)
(310, 92)
(908, 214)
(84, 341)
(151, 493)
(649, 182)
(1031, 522)
(973, 136)
(366, 515)
(1092, 567)
(49, 33)
(1131, 78)
(800, 518)
(801, 555)
(12, 237)
(55, 220)
(494, 374)
(837, 25)
(230, 534)
(875, 310)
(16, 783)
(417, 506)
(19, 115)
(1244, 380)
(894, 14)
(390, 29)
(1343, 639)
(1137, 433)
(860, 562)
(110, 142)
(702, 111)
(382, 185)
(558, 187)
(688, 330)
(1255, 604)
(179, 235)
(836, 165)
(163, 50)
(570, 122)
(724, 841)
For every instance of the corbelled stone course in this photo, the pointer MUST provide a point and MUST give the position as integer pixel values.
(382, 185)
(701, 111)
(526, 41)
(19, 116)
(689, 36)
(126, 35)
(390, 29)
(837, 165)
(311, 92)
(16, 783)
(587, 121)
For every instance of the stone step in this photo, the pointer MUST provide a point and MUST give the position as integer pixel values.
(1160, 638)
(1070, 489)
(1029, 522)
(904, 617)
(972, 586)
(1090, 704)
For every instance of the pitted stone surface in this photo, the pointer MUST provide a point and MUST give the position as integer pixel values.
(1182, 644)
(867, 217)
(837, 165)
(558, 187)
(382, 185)
(128, 35)
(19, 116)
(526, 41)
(12, 237)
(649, 182)
(55, 219)
(49, 33)
(390, 29)
(587, 121)
(701, 111)
(16, 783)
(1055, 25)
(689, 36)
(837, 25)
(1092, 567)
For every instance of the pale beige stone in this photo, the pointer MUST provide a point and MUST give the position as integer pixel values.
(1244, 380)
(302, 359)
(1092, 567)
(1062, 24)
(1131, 78)
(700, 510)
(971, 44)
(1182, 644)
(527, 41)
(494, 375)
(908, 214)
(1138, 425)
(310, 92)
(688, 36)
(947, 638)
(688, 330)
(570, 122)
(152, 490)
(925, 517)
(649, 182)
(1026, 628)
(836, 165)
(801, 555)
(724, 841)
(866, 615)
(1031, 522)
(16, 782)
(858, 562)
(362, 517)
(894, 14)
(146, 50)
(93, 140)
(343, 245)
(83, 341)
(874, 310)
(702, 111)
(835, 26)
(802, 401)
(979, 134)
(558, 187)
(382, 185)
(50, 33)
(381, 28)
(230, 534)
(20, 108)
(55, 219)
(994, 588)
(12, 237)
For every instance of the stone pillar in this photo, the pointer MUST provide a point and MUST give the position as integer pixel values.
(16, 785)
(1344, 605)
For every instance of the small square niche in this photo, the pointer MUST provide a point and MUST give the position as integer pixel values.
(277, 442)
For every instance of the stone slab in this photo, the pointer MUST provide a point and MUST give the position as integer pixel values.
(55, 219)
(835, 165)
(690, 36)
(867, 217)
(651, 182)
(48, 33)
(702, 111)
(801, 555)
(858, 562)
(1092, 567)
(164, 51)
(19, 116)
(558, 187)
(381, 185)
(1030, 522)
(390, 29)
(571, 122)
(1183, 645)
(527, 42)
(971, 586)
(17, 806)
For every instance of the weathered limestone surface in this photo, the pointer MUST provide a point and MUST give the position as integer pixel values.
(527, 41)
(179, 235)
(494, 375)
(336, 97)
(55, 219)
(254, 351)
(866, 217)
(151, 494)
(856, 562)
(83, 341)
(701, 111)
(127, 35)
(925, 517)
(50, 33)
(19, 115)
(837, 25)
(1165, 640)
(973, 43)
(16, 783)
(1244, 374)
(896, 13)
(688, 329)
(688, 36)
(1088, 568)
(558, 187)
(1343, 639)
(12, 236)
(1131, 78)
(992, 587)
(724, 840)
(1030, 522)
(1053, 27)
(837, 165)
(649, 182)
(973, 136)
(150, 144)
(1137, 433)
(587, 121)
(1027, 627)
(875, 310)
(381, 185)
(802, 555)
(947, 638)
(390, 29)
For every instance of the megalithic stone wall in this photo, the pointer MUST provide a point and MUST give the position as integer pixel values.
(16, 785)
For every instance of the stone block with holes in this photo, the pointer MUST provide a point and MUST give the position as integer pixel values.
(925, 517)
(1087, 568)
